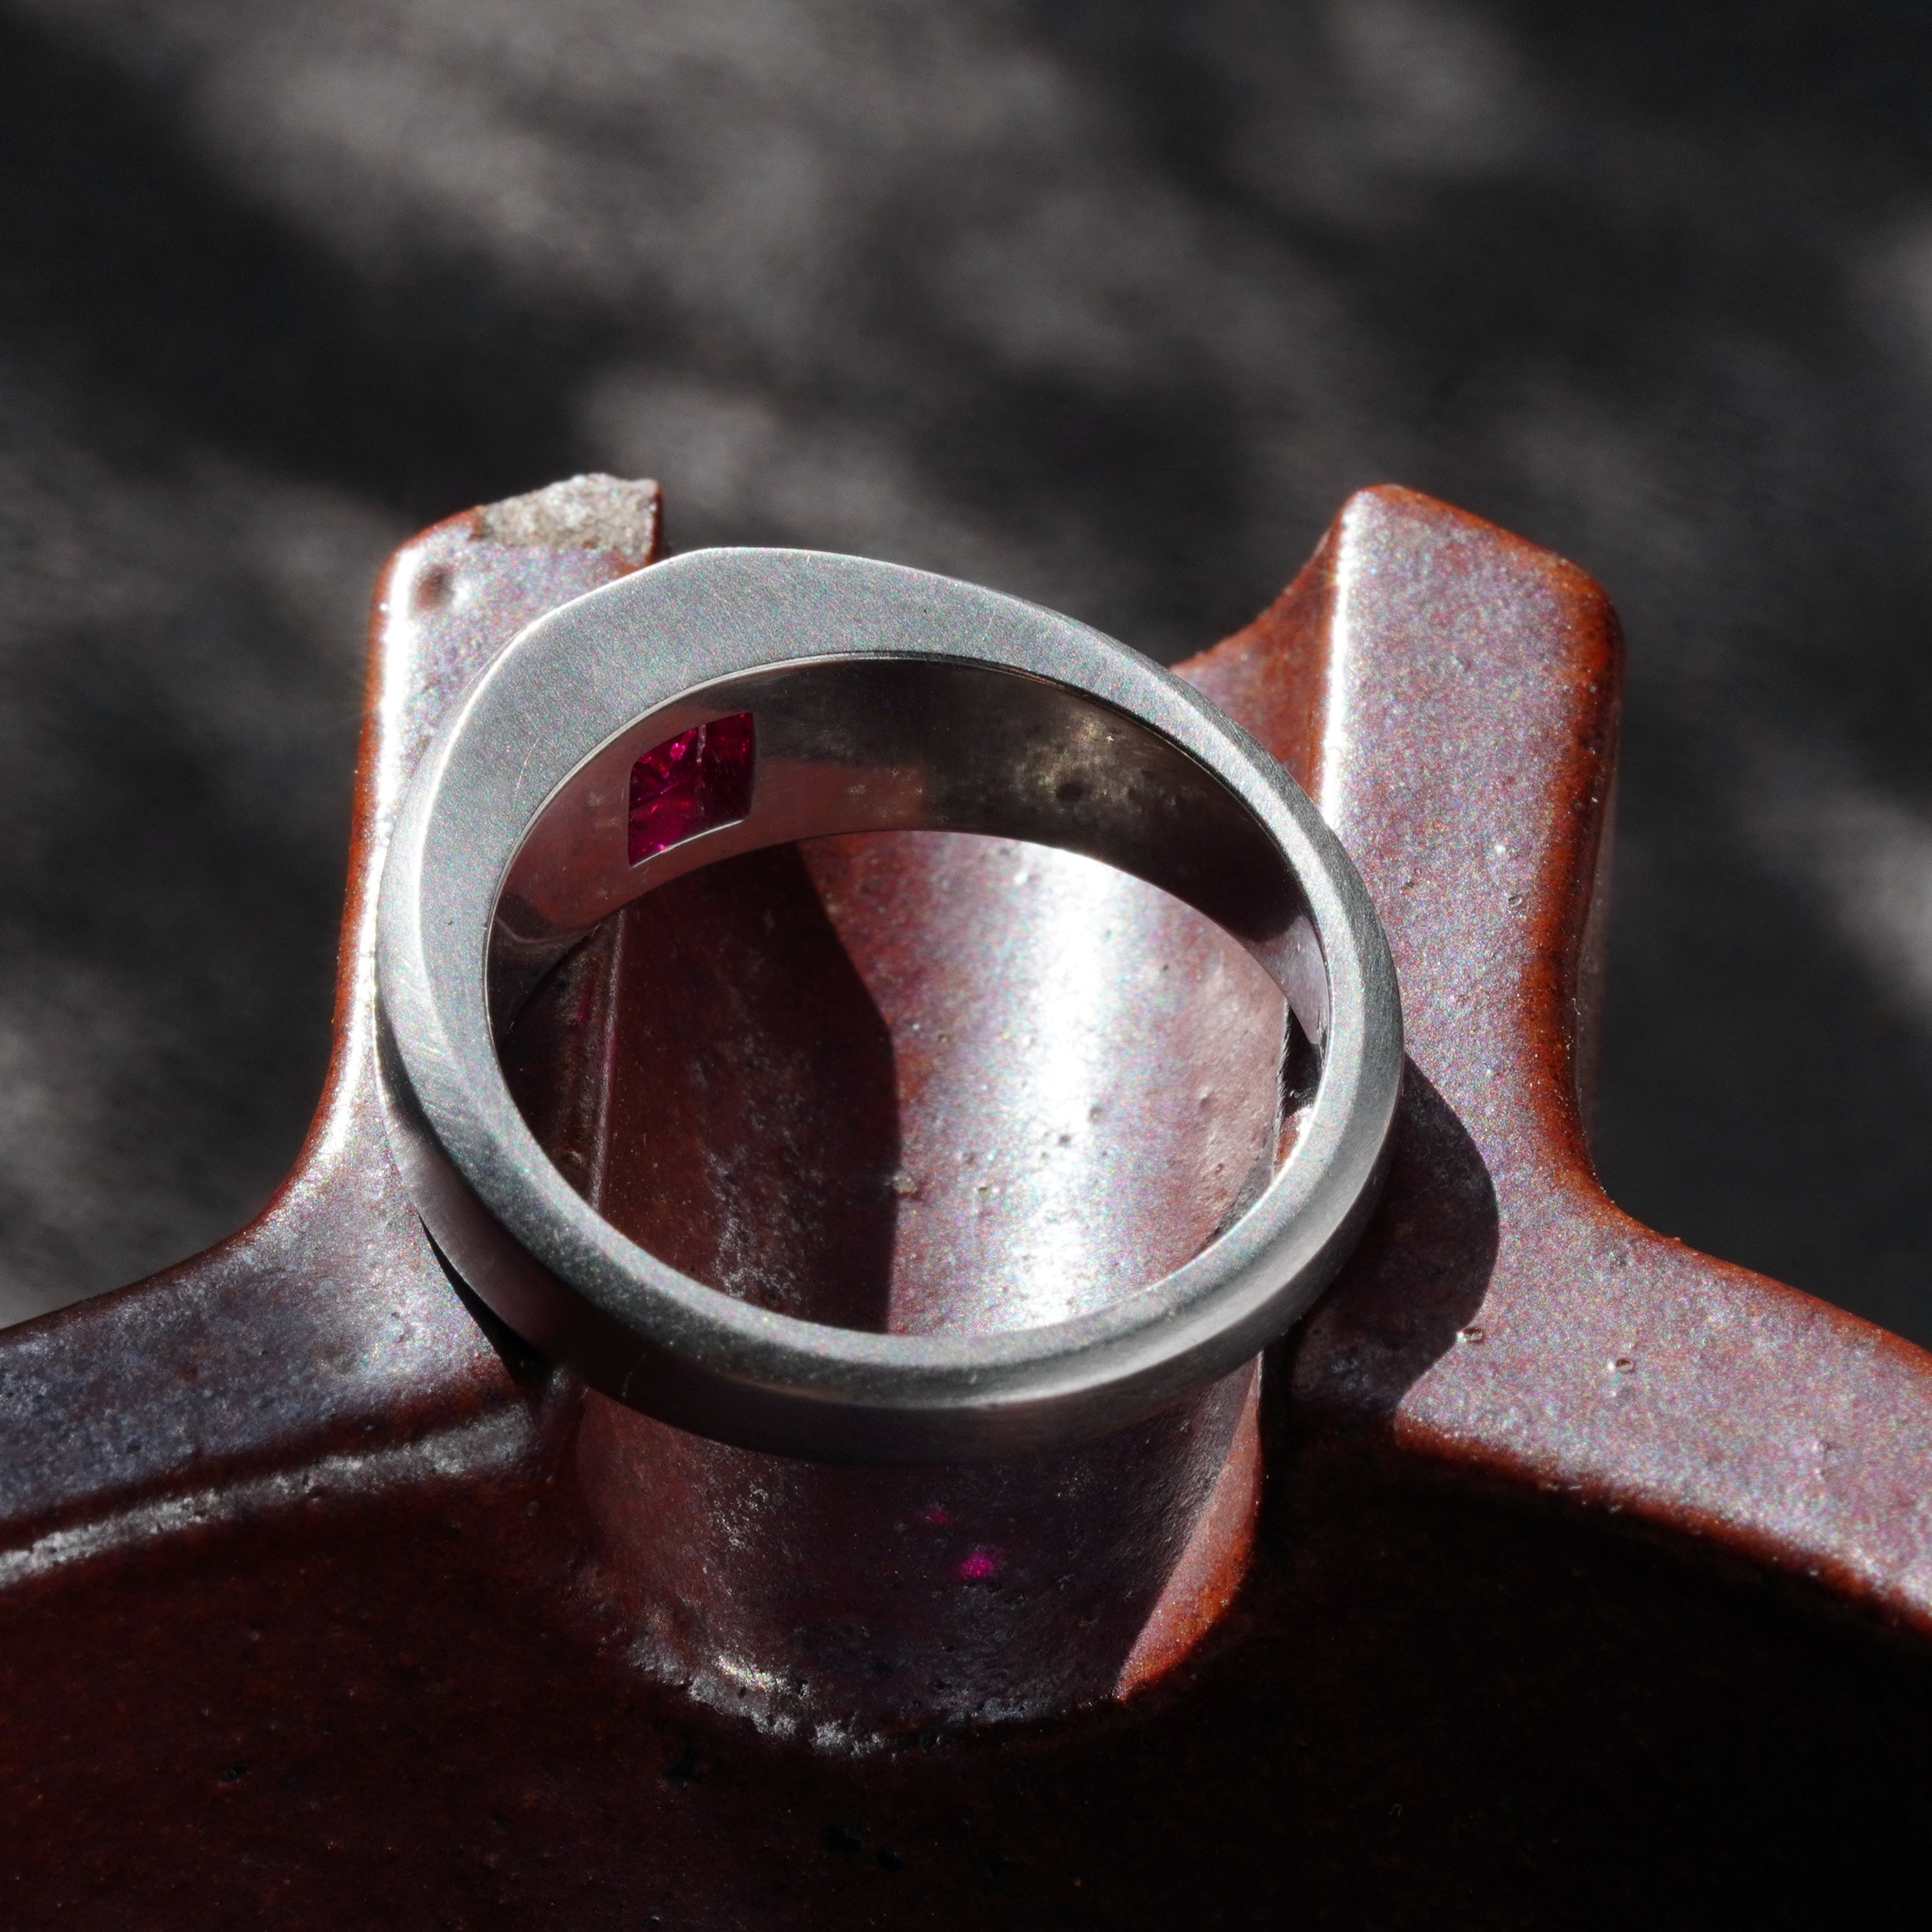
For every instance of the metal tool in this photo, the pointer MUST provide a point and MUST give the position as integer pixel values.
(1592, 1581)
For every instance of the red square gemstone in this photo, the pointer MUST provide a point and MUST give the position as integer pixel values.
(695, 782)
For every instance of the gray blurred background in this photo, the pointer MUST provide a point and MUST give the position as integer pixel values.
(1106, 303)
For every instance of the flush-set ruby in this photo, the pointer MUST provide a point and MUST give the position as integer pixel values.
(692, 783)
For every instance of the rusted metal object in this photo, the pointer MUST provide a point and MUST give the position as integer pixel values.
(905, 1081)
(1592, 1577)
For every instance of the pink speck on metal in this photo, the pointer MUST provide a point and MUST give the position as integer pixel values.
(980, 1564)
(695, 782)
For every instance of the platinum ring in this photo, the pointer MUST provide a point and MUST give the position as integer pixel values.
(729, 699)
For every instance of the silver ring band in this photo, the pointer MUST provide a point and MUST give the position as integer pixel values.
(729, 699)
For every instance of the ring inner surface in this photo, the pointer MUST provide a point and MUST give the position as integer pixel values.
(876, 744)
(1076, 1086)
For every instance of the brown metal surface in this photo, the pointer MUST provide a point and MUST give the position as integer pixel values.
(1592, 1578)
(908, 1081)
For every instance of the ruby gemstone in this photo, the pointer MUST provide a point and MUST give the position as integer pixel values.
(695, 782)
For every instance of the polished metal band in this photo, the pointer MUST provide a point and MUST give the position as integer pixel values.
(812, 694)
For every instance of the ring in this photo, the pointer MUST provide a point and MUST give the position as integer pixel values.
(729, 699)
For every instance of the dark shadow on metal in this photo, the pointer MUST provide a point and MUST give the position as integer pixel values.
(1413, 1289)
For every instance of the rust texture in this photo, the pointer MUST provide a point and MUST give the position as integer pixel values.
(1591, 1578)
